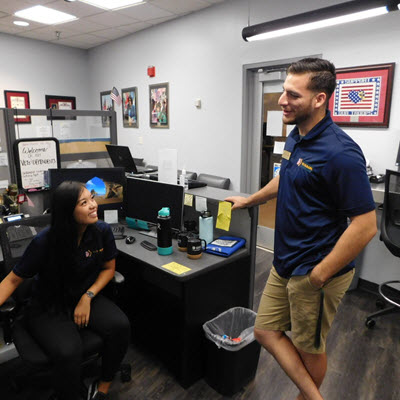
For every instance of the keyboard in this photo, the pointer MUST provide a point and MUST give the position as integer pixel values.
(20, 232)
(118, 231)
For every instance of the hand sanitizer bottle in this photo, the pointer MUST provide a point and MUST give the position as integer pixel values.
(183, 181)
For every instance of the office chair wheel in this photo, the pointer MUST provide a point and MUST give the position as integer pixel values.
(380, 304)
(126, 373)
(370, 323)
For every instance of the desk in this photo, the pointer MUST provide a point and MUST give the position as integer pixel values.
(167, 311)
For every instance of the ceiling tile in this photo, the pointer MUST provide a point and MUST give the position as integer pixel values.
(88, 38)
(73, 43)
(144, 12)
(103, 25)
(82, 25)
(48, 33)
(111, 33)
(138, 26)
(181, 6)
(111, 19)
(10, 19)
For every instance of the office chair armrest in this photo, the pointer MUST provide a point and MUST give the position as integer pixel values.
(7, 307)
(6, 315)
(118, 278)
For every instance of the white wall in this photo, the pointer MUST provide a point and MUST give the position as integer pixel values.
(202, 55)
(41, 68)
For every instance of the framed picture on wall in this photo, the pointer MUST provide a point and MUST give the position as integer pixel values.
(17, 99)
(130, 107)
(106, 104)
(363, 96)
(60, 103)
(159, 105)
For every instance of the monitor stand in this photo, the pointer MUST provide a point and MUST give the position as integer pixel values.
(151, 233)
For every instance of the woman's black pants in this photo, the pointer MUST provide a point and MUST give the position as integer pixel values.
(59, 337)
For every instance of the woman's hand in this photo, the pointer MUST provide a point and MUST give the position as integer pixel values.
(82, 311)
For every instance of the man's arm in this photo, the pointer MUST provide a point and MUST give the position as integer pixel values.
(268, 192)
(357, 235)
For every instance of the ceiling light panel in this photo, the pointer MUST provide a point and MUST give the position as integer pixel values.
(113, 4)
(45, 15)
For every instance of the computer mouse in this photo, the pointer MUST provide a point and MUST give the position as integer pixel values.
(130, 239)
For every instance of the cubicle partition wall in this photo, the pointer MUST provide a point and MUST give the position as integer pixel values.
(167, 309)
(82, 135)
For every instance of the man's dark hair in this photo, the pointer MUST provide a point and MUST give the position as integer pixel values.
(323, 74)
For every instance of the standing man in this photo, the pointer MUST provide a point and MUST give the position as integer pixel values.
(322, 184)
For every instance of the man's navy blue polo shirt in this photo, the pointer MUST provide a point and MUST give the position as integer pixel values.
(323, 181)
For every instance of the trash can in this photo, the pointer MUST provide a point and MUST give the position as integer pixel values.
(232, 353)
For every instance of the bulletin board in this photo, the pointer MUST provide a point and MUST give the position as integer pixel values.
(33, 158)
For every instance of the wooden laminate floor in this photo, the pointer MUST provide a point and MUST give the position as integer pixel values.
(363, 364)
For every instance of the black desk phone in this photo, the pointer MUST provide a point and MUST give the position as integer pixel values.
(380, 178)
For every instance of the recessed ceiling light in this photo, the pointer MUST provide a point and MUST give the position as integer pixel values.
(45, 15)
(21, 23)
(113, 4)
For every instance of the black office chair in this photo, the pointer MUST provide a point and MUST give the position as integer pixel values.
(15, 237)
(215, 181)
(390, 235)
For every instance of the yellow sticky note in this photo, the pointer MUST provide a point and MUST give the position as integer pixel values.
(176, 268)
(188, 200)
(224, 215)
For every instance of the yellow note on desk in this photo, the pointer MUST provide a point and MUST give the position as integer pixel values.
(224, 215)
(176, 268)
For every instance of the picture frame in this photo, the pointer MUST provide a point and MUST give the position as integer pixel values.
(18, 99)
(159, 105)
(363, 95)
(60, 103)
(130, 107)
(106, 104)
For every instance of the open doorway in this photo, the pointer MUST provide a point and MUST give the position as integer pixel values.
(261, 136)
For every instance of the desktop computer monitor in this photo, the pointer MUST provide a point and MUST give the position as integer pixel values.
(144, 198)
(107, 184)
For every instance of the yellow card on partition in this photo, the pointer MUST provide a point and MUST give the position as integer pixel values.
(188, 200)
(176, 268)
(224, 215)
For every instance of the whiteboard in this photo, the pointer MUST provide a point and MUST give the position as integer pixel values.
(34, 157)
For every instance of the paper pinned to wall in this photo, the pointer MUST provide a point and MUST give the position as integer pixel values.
(279, 147)
(168, 165)
(224, 215)
(43, 131)
(274, 123)
(3, 159)
(188, 200)
(201, 204)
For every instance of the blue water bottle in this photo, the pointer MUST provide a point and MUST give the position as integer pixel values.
(164, 232)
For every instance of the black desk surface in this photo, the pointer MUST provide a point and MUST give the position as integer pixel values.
(206, 263)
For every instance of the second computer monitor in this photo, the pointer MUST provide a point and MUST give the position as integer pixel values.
(144, 198)
(121, 157)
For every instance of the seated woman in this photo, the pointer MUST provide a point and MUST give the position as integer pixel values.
(72, 260)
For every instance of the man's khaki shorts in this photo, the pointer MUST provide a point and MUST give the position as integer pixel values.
(295, 305)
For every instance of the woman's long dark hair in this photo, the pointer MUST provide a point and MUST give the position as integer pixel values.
(64, 237)
(63, 224)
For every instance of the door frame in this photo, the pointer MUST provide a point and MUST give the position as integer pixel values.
(252, 119)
